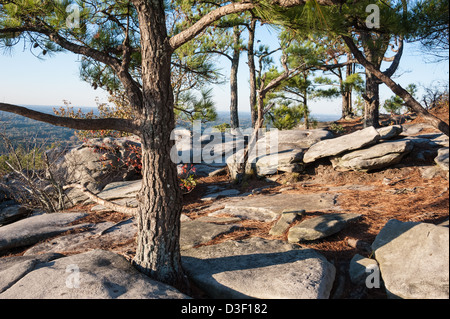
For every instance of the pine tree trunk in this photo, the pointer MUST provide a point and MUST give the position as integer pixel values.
(160, 203)
(160, 198)
(374, 52)
(397, 89)
(347, 109)
(234, 118)
(372, 101)
(252, 70)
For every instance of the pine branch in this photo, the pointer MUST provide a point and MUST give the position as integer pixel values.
(123, 125)
(396, 88)
(198, 27)
(101, 201)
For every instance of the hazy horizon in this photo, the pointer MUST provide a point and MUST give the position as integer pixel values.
(219, 112)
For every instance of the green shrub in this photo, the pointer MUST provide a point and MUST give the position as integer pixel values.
(222, 127)
(337, 128)
(23, 159)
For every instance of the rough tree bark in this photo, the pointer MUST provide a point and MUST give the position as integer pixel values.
(372, 101)
(347, 109)
(374, 54)
(252, 69)
(234, 116)
(160, 198)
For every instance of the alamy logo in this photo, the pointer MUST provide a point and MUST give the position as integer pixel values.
(373, 278)
(212, 146)
(73, 279)
(73, 19)
(373, 19)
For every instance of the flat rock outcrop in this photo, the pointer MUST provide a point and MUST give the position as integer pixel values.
(413, 259)
(339, 145)
(121, 235)
(33, 229)
(97, 274)
(259, 268)
(270, 207)
(215, 191)
(320, 227)
(194, 233)
(442, 158)
(374, 157)
(12, 269)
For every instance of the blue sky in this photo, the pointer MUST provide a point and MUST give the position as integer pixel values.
(26, 80)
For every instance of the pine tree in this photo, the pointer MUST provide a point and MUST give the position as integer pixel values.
(113, 33)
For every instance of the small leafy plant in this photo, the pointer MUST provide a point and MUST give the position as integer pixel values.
(187, 180)
(337, 128)
(133, 161)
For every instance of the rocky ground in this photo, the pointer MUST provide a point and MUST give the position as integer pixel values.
(400, 193)
(316, 224)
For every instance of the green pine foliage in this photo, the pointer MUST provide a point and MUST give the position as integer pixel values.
(191, 107)
(286, 115)
(395, 104)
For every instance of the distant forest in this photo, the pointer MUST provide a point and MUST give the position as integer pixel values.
(28, 133)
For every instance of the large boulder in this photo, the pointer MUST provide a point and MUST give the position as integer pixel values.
(97, 162)
(10, 212)
(284, 161)
(278, 150)
(373, 157)
(320, 227)
(14, 268)
(296, 139)
(33, 229)
(96, 274)
(442, 158)
(339, 145)
(269, 207)
(194, 233)
(389, 132)
(210, 147)
(259, 268)
(413, 259)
